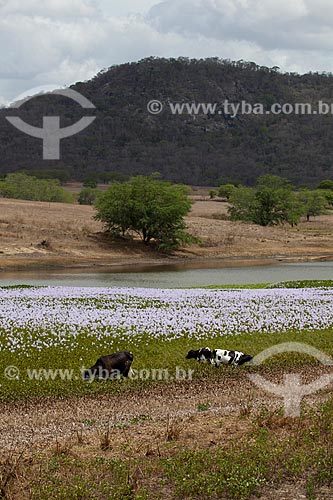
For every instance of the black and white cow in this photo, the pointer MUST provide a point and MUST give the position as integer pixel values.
(203, 355)
(110, 366)
(224, 357)
(219, 357)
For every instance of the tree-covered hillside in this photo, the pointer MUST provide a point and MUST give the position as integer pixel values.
(201, 150)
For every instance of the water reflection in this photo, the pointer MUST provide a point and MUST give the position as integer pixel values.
(172, 275)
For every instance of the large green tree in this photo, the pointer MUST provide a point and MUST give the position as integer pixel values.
(271, 202)
(151, 208)
(275, 203)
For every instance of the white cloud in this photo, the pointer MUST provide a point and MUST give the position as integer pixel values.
(271, 24)
(68, 40)
(60, 9)
(125, 7)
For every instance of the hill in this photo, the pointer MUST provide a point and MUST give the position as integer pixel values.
(198, 150)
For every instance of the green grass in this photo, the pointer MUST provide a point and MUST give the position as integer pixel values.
(303, 284)
(281, 284)
(251, 286)
(265, 458)
(255, 286)
(148, 354)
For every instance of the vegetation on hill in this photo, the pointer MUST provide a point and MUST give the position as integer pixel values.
(199, 150)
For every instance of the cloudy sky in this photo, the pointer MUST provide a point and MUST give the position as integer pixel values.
(58, 42)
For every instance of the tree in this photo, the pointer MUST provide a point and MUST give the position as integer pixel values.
(151, 208)
(313, 203)
(326, 184)
(88, 196)
(212, 194)
(114, 209)
(271, 202)
(273, 182)
(90, 181)
(242, 204)
(108, 177)
(48, 173)
(275, 202)
(328, 195)
(226, 190)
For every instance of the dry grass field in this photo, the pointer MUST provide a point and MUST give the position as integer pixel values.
(70, 446)
(72, 238)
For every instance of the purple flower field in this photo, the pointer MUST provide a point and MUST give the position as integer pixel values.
(40, 318)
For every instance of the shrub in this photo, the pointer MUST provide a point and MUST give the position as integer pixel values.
(26, 187)
(88, 196)
(226, 190)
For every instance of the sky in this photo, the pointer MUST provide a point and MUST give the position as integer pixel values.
(53, 43)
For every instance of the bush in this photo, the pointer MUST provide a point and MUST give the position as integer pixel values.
(25, 187)
(328, 195)
(48, 173)
(327, 184)
(242, 201)
(90, 181)
(88, 196)
(226, 190)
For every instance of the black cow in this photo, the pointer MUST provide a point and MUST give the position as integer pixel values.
(110, 366)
